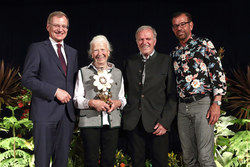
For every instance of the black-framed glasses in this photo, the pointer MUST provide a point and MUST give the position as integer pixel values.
(58, 26)
(175, 26)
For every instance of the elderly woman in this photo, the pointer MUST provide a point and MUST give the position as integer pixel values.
(99, 119)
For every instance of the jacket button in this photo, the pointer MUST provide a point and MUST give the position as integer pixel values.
(142, 96)
(139, 83)
(139, 71)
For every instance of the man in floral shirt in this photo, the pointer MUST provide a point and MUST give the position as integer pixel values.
(200, 84)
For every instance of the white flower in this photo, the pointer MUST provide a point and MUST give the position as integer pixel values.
(176, 66)
(218, 91)
(210, 45)
(203, 67)
(185, 67)
(103, 80)
(181, 94)
(223, 79)
(183, 57)
(196, 83)
(189, 78)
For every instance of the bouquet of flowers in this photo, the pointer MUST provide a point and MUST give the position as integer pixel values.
(103, 83)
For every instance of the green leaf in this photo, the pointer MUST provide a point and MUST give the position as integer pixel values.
(8, 143)
(26, 122)
(241, 121)
(9, 122)
(218, 164)
(227, 156)
(12, 108)
(222, 141)
(239, 143)
(7, 159)
(220, 127)
(225, 121)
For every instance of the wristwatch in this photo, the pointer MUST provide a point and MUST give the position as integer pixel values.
(217, 102)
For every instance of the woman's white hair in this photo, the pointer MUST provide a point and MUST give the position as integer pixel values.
(96, 39)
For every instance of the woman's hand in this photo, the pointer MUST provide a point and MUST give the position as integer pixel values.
(99, 105)
(115, 104)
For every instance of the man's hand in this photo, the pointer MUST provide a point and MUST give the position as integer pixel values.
(159, 130)
(99, 105)
(213, 114)
(62, 95)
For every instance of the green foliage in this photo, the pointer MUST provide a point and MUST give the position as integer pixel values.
(7, 159)
(231, 149)
(148, 163)
(241, 121)
(2, 127)
(16, 148)
(220, 128)
(10, 122)
(8, 143)
(76, 151)
(239, 147)
(122, 159)
(25, 96)
(238, 96)
(172, 160)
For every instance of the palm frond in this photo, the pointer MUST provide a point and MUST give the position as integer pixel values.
(10, 85)
(239, 96)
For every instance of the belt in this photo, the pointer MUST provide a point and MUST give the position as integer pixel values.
(193, 98)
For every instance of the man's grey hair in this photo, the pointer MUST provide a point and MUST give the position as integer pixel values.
(144, 27)
(58, 14)
(96, 39)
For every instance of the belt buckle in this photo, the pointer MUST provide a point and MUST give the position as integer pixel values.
(193, 98)
(198, 97)
(187, 99)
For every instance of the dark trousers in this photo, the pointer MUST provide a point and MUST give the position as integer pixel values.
(140, 141)
(52, 139)
(105, 139)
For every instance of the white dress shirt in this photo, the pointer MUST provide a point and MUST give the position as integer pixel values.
(53, 42)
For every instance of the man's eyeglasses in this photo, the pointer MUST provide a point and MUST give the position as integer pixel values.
(175, 26)
(58, 26)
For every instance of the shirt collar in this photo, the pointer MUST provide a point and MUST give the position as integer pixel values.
(144, 57)
(110, 66)
(54, 42)
(193, 37)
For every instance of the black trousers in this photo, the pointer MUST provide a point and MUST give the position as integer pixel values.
(105, 139)
(141, 141)
(52, 139)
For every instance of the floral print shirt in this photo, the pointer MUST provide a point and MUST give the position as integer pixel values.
(198, 69)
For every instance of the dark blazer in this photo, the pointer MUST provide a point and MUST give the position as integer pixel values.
(43, 74)
(156, 100)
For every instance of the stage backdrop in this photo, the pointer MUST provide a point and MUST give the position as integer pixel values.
(225, 22)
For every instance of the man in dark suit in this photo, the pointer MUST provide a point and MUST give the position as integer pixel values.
(49, 72)
(152, 103)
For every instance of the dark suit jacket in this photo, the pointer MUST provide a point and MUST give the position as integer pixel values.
(154, 102)
(43, 74)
